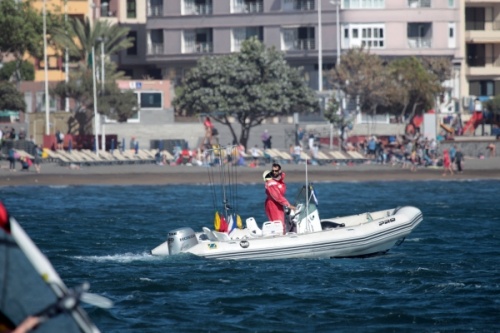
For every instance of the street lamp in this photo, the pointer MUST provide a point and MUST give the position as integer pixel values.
(320, 49)
(66, 58)
(46, 72)
(94, 86)
(102, 41)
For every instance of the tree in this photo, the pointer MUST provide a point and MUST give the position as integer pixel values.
(11, 98)
(12, 70)
(361, 76)
(79, 38)
(418, 85)
(21, 29)
(250, 86)
(111, 102)
(118, 105)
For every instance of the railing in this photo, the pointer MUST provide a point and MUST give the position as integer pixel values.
(254, 7)
(204, 47)
(204, 9)
(156, 48)
(419, 43)
(419, 3)
(304, 44)
(156, 10)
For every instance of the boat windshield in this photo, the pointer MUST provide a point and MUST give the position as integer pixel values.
(303, 195)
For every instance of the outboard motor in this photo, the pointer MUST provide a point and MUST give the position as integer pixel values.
(180, 240)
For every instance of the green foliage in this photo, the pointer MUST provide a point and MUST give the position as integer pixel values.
(110, 102)
(11, 98)
(21, 29)
(9, 71)
(79, 38)
(393, 86)
(250, 86)
(118, 105)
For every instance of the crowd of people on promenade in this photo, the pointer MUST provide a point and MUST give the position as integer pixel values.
(407, 151)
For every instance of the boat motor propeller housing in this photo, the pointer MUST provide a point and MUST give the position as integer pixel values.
(180, 240)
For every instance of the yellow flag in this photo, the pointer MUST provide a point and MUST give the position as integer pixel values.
(239, 223)
(217, 221)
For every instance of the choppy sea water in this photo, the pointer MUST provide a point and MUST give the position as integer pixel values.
(444, 278)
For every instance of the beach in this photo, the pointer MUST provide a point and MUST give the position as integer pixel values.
(152, 174)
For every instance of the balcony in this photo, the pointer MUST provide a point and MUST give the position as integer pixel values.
(199, 47)
(419, 42)
(156, 48)
(419, 3)
(155, 11)
(206, 47)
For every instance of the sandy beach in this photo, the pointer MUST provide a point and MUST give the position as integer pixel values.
(151, 174)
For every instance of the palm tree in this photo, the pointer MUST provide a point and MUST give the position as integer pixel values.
(79, 38)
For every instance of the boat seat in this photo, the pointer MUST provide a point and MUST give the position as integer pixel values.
(272, 228)
(253, 227)
(221, 236)
(210, 235)
(328, 224)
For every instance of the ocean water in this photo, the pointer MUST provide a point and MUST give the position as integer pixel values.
(445, 277)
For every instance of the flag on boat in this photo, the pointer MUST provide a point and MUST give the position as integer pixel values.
(234, 222)
(217, 221)
(223, 224)
(313, 195)
(239, 222)
(231, 223)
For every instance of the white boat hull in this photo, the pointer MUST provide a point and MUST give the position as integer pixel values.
(361, 235)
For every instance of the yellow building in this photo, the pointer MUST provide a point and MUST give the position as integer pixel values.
(73, 9)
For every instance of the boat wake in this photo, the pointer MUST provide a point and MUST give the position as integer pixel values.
(120, 258)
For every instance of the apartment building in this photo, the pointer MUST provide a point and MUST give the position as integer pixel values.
(56, 59)
(178, 32)
(481, 65)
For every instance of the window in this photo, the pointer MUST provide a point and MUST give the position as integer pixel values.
(151, 100)
(131, 9)
(364, 35)
(155, 8)
(292, 5)
(133, 49)
(451, 35)
(302, 38)
(419, 35)
(474, 18)
(451, 3)
(476, 55)
(363, 4)
(197, 7)
(419, 3)
(372, 37)
(482, 88)
(54, 63)
(242, 34)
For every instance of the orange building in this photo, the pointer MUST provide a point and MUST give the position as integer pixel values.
(55, 59)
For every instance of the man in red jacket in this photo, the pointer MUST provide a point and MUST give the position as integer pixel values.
(275, 191)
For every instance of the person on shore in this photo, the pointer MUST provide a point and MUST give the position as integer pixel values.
(59, 140)
(459, 157)
(447, 162)
(38, 158)
(492, 148)
(275, 195)
(12, 159)
(266, 140)
(209, 127)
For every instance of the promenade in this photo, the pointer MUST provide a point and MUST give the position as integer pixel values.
(152, 174)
